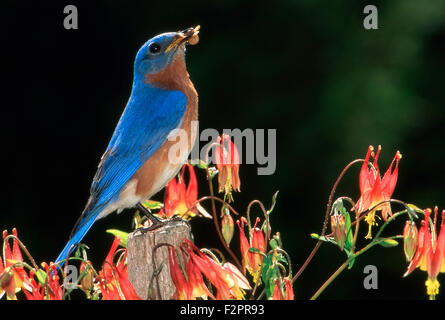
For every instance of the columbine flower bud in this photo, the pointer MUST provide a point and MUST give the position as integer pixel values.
(87, 282)
(251, 260)
(257, 241)
(227, 162)
(227, 227)
(410, 240)
(338, 229)
(7, 282)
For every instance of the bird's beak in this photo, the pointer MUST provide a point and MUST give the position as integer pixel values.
(189, 35)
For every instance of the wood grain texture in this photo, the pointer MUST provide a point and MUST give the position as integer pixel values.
(140, 259)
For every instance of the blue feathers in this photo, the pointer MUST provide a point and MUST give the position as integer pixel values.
(144, 126)
(150, 115)
(81, 230)
(154, 109)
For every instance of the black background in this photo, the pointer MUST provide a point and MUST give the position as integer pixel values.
(305, 68)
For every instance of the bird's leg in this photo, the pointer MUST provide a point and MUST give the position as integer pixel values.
(156, 223)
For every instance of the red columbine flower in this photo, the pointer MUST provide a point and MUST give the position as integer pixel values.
(257, 241)
(113, 278)
(251, 260)
(180, 199)
(37, 293)
(244, 245)
(54, 290)
(430, 254)
(51, 290)
(278, 291)
(227, 163)
(212, 271)
(375, 189)
(229, 282)
(178, 278)
(191, 287)
(236, 280)
(12, 276)
(288, 289)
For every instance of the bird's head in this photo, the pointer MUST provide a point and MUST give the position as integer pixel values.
(161, 50)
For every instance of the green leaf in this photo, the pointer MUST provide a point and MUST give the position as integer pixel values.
(280, 257)
(267, 262)
(269, 274)
(255, 250)
(152, 205)
(95, 296)
(273, 243)
(77, 253)
(323, 238)
(349, 236)
(158, 270)
(121, 234)
(41, 276)
(315, 236)
(412, 209)
(388, 243)
(277, 238)
(270, 283)
(351, 263)
(274, 200)
(202, 165)
(348, 254)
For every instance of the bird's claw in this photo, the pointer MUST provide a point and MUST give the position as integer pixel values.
(153, 226)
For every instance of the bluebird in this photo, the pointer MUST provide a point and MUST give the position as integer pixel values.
(136, 165)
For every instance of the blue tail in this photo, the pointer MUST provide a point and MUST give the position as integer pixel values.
(83, 225)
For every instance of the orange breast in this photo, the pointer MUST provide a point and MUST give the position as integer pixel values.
(157, 171)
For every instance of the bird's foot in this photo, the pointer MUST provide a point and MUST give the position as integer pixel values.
(154, 226)
(155, 222)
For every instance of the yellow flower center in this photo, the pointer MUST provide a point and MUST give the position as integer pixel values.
(228, 186)
(181, 209)
(370, 219)
(432, 286)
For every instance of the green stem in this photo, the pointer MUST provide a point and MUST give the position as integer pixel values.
(215, 220)
(346, 263)
(325, 223)
(393, 217)
(22, 246)
(331, 278)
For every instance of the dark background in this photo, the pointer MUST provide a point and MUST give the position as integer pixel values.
(305, 68)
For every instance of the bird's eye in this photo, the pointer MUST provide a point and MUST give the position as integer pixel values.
(154, 48)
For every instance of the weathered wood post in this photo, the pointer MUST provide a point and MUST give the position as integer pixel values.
(140, 259)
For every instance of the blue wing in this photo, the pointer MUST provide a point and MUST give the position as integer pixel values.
(143, 128)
